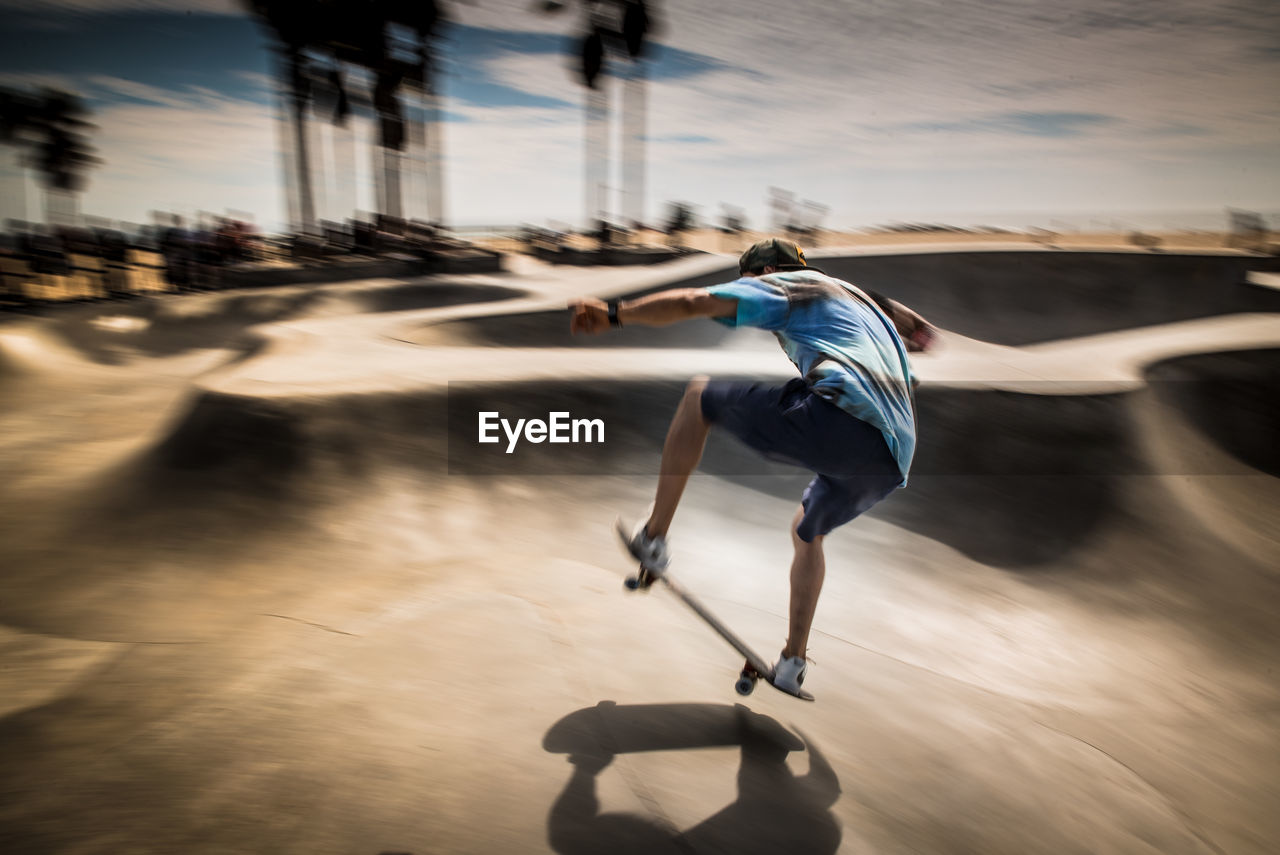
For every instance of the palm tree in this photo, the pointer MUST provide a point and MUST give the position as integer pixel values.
(51, 128)
(626, 30)
(294, 23)
(350, 31)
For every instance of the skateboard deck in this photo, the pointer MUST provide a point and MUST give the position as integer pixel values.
(755, 667)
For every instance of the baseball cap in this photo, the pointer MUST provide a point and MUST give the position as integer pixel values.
(774, 252)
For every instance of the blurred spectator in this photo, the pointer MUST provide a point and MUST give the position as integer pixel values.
(44, 251)
(179, 256)
(680, 220)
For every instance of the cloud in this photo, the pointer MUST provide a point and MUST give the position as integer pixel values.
(1034, 88)
(113, 87)
(696, 139)
(861, 106)
(837, 106)
(1051, 125)
(199, 152)
(31, 80)
(257, 80)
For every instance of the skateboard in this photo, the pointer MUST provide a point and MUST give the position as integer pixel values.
(753, 670)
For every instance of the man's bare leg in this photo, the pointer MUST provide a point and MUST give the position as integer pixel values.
(808, 569)
(680, 455)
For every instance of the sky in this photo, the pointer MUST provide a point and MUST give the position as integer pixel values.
(1006, 112)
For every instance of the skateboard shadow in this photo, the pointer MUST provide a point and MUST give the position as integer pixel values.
(776, 810)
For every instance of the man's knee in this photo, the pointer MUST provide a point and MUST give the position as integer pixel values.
(693, 395)
(797, 541)
(802, 545)
(696, 387)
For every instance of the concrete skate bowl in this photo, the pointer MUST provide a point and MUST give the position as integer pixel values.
(1013, 480)
(1045, 486)
(116, 334)
(1017, 298)
(1040, 485)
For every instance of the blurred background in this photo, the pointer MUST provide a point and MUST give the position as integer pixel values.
(263, 264)
(486, 116)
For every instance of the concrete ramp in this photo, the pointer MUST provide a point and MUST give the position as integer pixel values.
(1020, 297)
(279, 598)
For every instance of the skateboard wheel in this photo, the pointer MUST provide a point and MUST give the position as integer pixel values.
(642, 581)
(745, 685)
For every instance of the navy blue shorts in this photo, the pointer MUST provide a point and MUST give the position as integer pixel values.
(789, 423)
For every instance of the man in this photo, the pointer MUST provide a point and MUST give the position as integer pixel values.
(850, 417)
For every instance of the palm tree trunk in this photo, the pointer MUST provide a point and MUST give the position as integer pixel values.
(634, 121)
(417, 189)
(596, 154)
(394, 206)
(318, 162)
(344, 172)
(285, 150)
(434, 151)
(15, 196)
(302, 164)
(61, 207)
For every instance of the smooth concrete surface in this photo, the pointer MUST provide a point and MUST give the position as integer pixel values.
(261, 592)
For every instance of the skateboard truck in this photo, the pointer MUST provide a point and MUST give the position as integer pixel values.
(747, 679)
(642, 581)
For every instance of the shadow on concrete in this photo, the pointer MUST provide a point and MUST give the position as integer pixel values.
(1016, 480)
(1230, 398)
(776, 811)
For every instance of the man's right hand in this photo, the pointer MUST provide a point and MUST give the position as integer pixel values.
(588, 315)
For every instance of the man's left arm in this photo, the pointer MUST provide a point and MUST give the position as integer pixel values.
(590, 315)
(917, 334)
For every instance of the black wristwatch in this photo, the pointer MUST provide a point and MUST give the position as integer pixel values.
(613, 314)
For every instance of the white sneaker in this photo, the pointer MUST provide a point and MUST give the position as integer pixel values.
(789, 673)
(651, 552)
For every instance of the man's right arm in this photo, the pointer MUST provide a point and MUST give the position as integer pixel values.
(654, 310)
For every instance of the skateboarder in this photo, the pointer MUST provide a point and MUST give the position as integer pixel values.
(850, 417)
